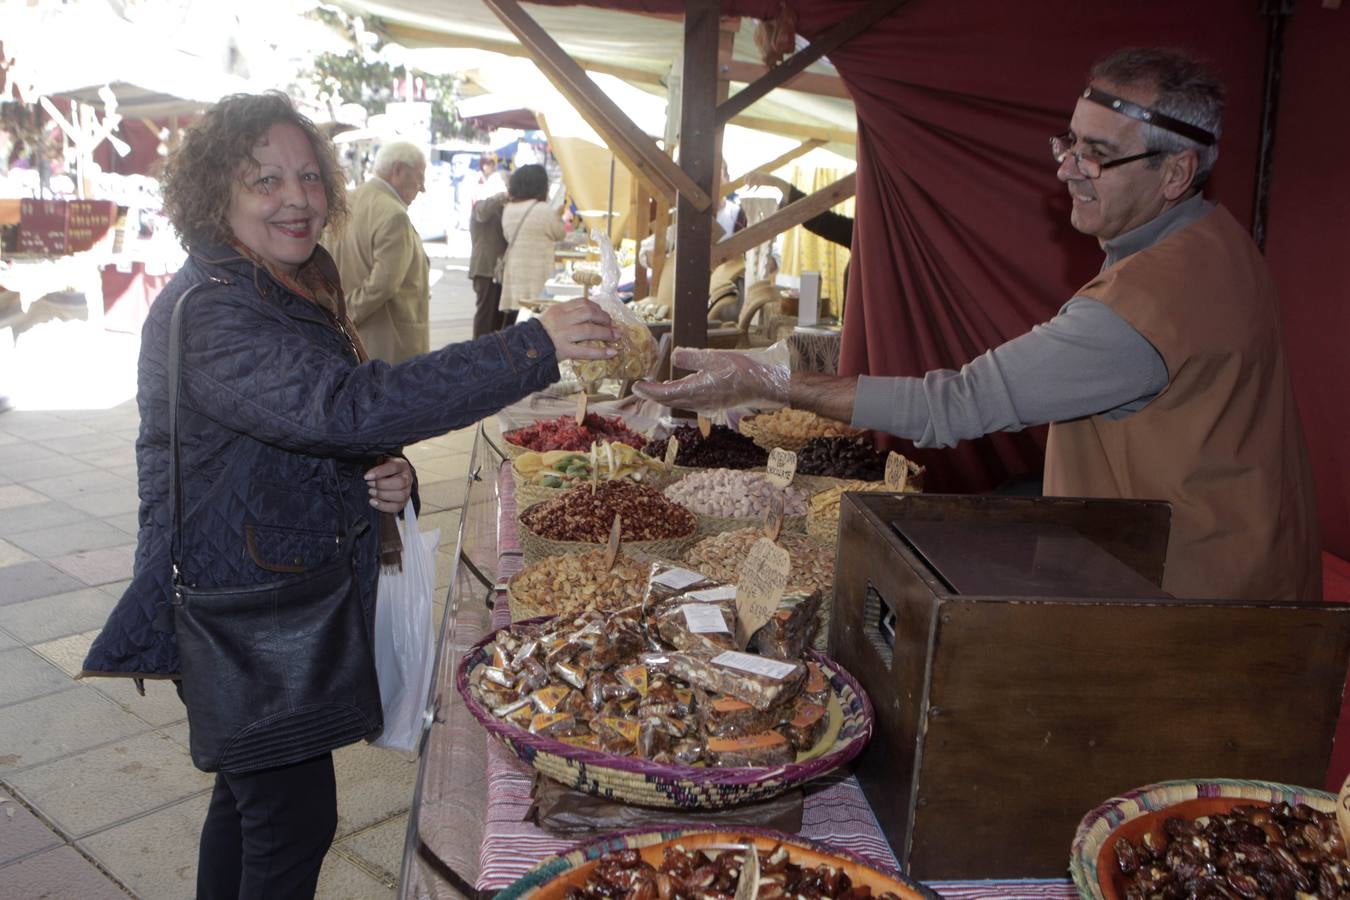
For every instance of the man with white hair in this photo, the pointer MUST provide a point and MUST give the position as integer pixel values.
(380, 257)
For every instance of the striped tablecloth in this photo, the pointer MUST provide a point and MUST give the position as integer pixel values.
(834, 812)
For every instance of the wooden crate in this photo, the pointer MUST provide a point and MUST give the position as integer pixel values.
(1004, 716)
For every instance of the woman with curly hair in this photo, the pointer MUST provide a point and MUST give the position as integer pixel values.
(288, 436)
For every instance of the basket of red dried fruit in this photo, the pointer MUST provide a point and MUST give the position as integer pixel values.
(1211, 838)
(563, 433)
(693, 863)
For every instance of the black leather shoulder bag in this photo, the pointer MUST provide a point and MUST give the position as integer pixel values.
(276, 673)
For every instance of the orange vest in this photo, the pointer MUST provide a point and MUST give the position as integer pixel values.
(1222, 442)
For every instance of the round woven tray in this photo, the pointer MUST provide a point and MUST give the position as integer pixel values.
(536, 548)
(762, 432)
(1096, 833)
(646, 783)
(826, 530)
(513, 450)
(817, 483)
(553, 877)
(717, 524)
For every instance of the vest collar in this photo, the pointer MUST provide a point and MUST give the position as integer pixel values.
(1178, 217)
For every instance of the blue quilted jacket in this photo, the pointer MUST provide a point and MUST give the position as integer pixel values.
(278, 424)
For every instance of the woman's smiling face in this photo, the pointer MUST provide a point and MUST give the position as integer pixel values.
(278, 206)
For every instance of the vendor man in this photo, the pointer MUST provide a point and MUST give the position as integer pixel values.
(1163, 378)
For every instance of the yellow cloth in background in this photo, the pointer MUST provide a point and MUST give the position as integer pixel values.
(805, 252)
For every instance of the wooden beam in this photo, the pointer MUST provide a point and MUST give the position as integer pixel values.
(785, 218)
(806, 82)
(636, 149)
(847, 28)
(800, 150)
(418, 36)
(641, 223)
(797, 129)
(698, 148)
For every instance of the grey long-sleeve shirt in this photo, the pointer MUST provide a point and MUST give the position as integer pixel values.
(1085, 361)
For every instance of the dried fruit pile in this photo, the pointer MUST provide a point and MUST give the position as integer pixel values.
(722, 448)
(1253, 851)
(716, 873)
(841, 457)
(563, 433)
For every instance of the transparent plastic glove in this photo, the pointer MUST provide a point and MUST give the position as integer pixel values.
(724, 379)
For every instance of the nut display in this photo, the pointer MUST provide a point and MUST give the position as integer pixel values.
(722, 448)
(568, 585)
(842, 457)
(716, 873)
(721, 556)
(565, 468)
(581, 514)
(563, 433)
(825, 505)
(733, 493)
(1254, 851)
(771, 428)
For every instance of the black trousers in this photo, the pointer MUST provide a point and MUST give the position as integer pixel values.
(266, 833)
(489, 296)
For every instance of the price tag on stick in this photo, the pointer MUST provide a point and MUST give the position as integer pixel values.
(897, 472)
(763, 579)
(747, 888)
(773, 521)
(595, 469)
(672, 452)
(612, 548)
(581, 408)
(704, 425)
(782, 466)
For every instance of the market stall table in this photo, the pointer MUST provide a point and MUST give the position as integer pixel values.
(834, 808)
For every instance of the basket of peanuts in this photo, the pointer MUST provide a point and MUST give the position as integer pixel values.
(580, 519)
(790, 429)
(720, 557)
(728, 499)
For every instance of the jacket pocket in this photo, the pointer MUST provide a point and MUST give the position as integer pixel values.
(291, 550)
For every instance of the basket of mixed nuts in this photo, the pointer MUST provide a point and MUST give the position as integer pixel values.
(581, 518)
(569, 584)
(728, 499)
(790, 429)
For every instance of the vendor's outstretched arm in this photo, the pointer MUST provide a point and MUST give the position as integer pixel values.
(825, 395)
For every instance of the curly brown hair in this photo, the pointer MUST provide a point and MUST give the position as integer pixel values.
(199, 176)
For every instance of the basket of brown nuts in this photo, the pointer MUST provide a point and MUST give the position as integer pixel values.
(571, 584)
(822, 517)
(790, 429)
(581, 517)
(721, 556)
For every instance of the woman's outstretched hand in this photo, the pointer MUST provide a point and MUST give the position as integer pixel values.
(570, 324)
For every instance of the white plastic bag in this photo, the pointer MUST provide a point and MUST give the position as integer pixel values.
(403, 645)
(637, 348)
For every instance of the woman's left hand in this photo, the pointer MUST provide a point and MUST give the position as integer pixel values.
(390, 484)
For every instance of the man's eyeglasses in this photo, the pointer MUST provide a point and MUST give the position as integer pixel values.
(1061, 145)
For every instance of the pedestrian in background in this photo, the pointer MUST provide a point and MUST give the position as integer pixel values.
(532, 227)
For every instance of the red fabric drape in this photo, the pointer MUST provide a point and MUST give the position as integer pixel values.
(962, 238)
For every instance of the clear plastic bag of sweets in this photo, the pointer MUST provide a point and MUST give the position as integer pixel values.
(637, 348)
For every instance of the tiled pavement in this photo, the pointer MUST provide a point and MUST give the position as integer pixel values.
(98, 797)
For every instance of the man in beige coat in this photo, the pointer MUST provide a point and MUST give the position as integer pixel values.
(380, 257)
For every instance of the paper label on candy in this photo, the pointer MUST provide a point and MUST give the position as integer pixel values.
(704, 426)
(897, 472)
(581, 407)
(678, 579)
(782, 466)
(755, 665)
(709, 595)
(612, 549)
(763, 580)
(672, 451)
(704, 619)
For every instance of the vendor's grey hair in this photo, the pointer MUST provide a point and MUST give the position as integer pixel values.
(1186, 89)
(397, 152)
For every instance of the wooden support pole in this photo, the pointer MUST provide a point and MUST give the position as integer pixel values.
(698, 147)
(790, 215)
(638, 151)
(641, 223)
(844, 31)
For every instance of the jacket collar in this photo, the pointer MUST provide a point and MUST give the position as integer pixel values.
(236, 266)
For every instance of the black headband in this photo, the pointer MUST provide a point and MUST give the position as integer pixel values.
(1150, 116)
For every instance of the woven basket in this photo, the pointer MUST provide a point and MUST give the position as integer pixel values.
(825, 530)
(760, 430)
(717, 524)
(553, 877)
(513, 450)
(536, 548)
(646, 783)
(817, 483)
(678, 472)
(1092, 854)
